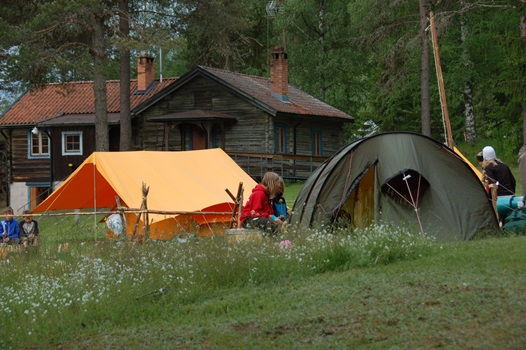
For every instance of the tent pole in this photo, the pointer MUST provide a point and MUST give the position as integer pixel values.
(240, 208)
(145, 191)
(443, 102)
(95, 200)
(144, 207)
(121, 213)
(415, 204)
(237, 203)
(136, 225)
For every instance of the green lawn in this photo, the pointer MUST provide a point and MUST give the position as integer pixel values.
(292, 188)
(464, 295)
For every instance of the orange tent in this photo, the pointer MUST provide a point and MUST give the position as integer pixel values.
(185, 181)
(475, 170)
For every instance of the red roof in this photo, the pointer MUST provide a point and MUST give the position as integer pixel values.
(75, 98)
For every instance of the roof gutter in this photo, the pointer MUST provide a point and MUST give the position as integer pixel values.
(47, 119)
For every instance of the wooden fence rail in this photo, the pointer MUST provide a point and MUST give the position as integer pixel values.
(293, 167)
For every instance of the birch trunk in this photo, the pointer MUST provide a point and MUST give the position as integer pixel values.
(469, 110)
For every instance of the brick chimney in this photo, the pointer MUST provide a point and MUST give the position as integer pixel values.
(279, 73)
(145, 71)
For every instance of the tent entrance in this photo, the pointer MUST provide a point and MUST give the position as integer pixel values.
(358, 209)
(407, 187)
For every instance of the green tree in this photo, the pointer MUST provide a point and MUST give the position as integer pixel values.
(522, 27)
(323, 55)
(397, 69)
(482, 56)
(425, 115)
(59, 41)
(224, 34)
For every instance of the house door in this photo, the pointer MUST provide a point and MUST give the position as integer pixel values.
(37, 195)
(198, 138)
(192, 137)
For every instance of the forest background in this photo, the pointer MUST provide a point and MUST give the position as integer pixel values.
(372, 59)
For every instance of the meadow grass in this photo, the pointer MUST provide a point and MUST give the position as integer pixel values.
(375, 288)
(292, 188)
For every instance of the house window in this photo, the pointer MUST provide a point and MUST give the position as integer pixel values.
(38, 145)
(280, 137)
(317, 149)
(72, 143)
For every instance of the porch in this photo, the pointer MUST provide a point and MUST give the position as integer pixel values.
(290, 167)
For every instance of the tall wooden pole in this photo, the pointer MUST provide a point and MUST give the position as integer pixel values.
(443, 102)
(523, 37)
(425, 114)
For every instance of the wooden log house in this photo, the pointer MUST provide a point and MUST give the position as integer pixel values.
(262, 123)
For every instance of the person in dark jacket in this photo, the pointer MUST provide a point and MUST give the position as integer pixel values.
(258, 212)
(29, 229)
(498, 173)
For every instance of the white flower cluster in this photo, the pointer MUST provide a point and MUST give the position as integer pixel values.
(90, 280)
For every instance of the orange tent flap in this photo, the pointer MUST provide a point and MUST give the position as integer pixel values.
(177, 181)
(77, 192)
(475, 170)
(221, 207)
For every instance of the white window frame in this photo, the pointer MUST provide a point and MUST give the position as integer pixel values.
(40, 136)
(65, 151)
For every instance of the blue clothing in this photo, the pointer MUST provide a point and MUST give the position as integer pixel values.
(280, 208)
(11, 228)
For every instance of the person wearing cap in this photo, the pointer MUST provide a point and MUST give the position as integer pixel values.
(497, 172)
(480, 159)
(522, 168)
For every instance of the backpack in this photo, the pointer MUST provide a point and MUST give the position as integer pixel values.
(280, 208)
(515, 222)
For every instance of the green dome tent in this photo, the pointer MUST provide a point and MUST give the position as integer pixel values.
(400, 178)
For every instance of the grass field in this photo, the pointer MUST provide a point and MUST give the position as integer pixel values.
(377, 289)
(292, 189)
